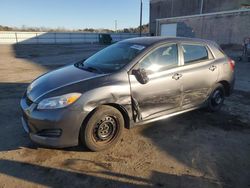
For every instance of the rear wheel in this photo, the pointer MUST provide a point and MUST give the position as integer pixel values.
(216, 98)
(103, 129)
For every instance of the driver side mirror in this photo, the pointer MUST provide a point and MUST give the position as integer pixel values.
(141, 75)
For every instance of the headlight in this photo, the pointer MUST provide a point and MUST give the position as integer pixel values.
(59, 101)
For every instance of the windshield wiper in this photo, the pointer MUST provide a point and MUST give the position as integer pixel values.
(93, 69)
(88, 68)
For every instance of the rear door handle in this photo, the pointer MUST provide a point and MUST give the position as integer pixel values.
(212, 67)
(176, 76)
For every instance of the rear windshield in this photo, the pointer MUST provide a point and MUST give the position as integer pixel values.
(114, 57)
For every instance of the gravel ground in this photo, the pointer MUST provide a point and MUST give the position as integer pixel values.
(196, 149)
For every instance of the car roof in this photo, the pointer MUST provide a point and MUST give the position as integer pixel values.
(148, 41)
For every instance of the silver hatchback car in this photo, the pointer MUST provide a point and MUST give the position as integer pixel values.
(131, 82)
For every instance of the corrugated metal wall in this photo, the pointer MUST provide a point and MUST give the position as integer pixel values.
(227, 28)
(175, 8)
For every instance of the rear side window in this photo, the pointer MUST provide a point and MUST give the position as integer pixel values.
(193, 53)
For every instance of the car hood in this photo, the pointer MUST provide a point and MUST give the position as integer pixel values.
(57, 79)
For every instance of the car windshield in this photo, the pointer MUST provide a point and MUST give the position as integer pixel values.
(112, 58)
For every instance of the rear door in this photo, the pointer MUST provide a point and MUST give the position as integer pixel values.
(162, 93)
(199, 73)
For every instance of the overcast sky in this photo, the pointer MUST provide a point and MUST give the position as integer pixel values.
(73, 14)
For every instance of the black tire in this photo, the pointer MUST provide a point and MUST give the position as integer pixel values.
(216, 98)
(103, 129)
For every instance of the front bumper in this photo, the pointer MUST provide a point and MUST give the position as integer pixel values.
(53, 128)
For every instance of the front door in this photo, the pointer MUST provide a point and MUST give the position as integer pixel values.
(162, 93)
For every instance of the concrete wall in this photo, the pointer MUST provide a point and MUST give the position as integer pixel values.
(11, 37)
(175, 8)
(229, 28)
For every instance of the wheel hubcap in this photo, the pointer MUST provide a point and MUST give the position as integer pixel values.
(105, 129)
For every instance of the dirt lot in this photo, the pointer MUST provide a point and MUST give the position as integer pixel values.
(196, 149)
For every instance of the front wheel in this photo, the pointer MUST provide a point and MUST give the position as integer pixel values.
(216, 98)
(103, 129)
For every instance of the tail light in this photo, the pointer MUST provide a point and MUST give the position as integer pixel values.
(231, 64)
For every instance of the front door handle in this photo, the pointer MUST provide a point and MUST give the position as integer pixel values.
(212, 67)
(177, 76)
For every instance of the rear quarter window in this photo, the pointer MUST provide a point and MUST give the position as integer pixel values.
(193, 53)
(218, 49)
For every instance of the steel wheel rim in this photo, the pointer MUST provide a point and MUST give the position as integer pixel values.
(217, 98)
(105, 129)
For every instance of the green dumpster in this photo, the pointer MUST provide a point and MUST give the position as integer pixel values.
(105, 38)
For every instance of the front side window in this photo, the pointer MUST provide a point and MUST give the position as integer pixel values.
(162, 58)
(193, 53)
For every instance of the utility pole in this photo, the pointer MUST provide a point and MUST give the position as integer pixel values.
(201, 8)
(115, 25)
(141, 19)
